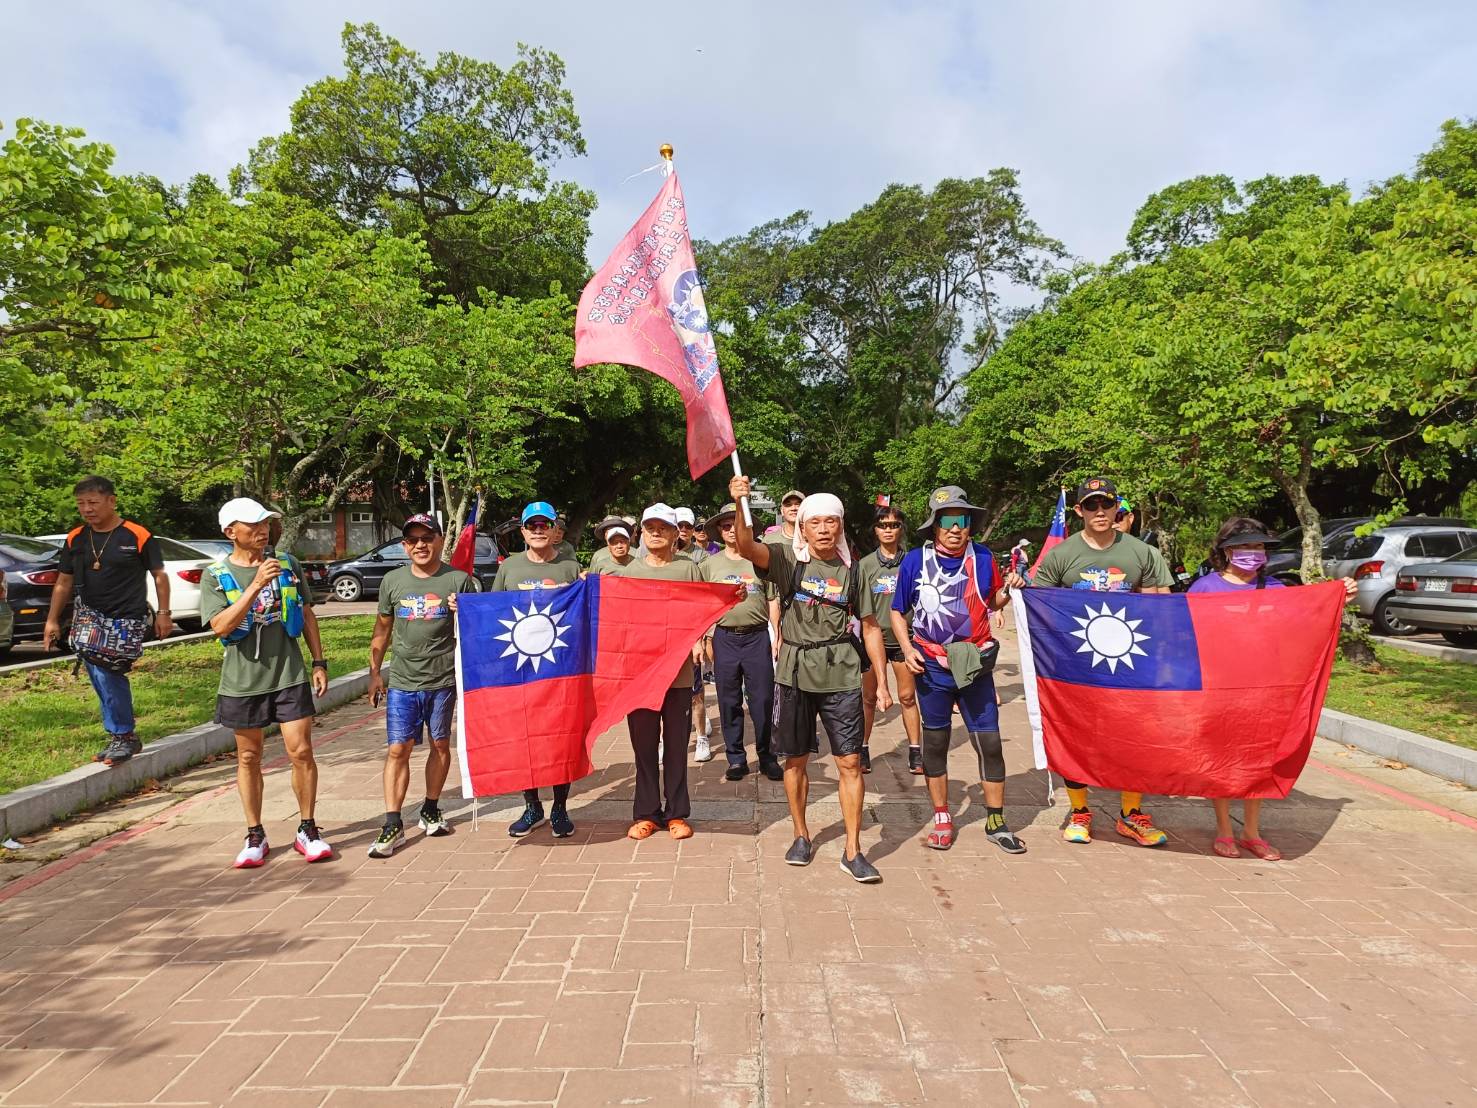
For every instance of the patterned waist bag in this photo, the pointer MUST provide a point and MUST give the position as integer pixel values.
(108, 642)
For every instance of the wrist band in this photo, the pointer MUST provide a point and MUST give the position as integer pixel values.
(321, 663)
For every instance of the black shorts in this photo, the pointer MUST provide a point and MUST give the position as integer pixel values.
(247, 713)
(894, 654)
(795, 732)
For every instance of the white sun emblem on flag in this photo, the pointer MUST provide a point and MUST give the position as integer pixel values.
(933, 593)
(1110, 637)
(533, 635)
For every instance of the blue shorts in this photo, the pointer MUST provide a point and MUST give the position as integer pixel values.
(937, 695)
(409, 714)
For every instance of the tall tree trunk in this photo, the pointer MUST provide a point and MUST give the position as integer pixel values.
(600, 498)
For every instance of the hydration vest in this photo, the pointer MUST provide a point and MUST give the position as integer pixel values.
(292, 601)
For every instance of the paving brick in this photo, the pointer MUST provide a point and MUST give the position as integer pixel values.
(222, 1068)
(361, 1063)
(449, 1052)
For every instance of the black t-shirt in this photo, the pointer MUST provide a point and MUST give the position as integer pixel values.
(125, 556)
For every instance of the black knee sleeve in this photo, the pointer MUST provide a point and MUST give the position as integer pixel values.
(936, 751)
(992, 759)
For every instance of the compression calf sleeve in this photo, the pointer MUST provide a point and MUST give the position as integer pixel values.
(936, 751)
(992, 758)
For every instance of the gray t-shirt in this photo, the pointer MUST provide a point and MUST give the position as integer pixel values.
(833, 668)
(1129, 565)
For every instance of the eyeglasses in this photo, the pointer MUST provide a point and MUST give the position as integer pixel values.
(949, 522)
(892, 525)
(420, 540)
(1096, 505)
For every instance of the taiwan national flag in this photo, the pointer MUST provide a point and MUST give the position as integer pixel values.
(542, 674)
(464, 557)
(1057, 533)
(1214, 694)
(645, 307)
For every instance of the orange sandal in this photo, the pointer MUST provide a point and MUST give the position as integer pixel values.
(642, 829)
(679, 829)
(1262, 849)
(1225, 846)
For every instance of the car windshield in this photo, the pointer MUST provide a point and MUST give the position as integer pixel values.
(19, 549)
(1355, 547)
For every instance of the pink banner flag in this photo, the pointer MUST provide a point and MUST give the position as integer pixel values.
(644, 307)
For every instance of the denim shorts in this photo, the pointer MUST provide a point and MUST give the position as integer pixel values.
(408, 715)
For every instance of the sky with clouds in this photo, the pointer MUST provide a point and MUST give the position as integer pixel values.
(814, 104)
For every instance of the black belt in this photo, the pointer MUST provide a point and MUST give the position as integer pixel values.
(752, 629)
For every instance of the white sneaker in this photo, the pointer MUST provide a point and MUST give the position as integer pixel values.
(309, 843)
(254, 853)
(704, 752)
(436, 824)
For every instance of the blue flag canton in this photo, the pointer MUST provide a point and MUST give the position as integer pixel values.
(515, 638)
(1113, 640)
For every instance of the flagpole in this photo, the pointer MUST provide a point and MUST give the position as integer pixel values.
(666, 151)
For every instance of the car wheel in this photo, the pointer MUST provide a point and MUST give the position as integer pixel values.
(1386, 624)
(347, 588)
(1466, 639)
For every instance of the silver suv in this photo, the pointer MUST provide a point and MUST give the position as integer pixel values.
(1375, 560)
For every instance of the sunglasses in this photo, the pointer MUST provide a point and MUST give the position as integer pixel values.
(949, 522)
(420, 540)
(893, 526)
(537, 526)
(1096, 505)
(1119, 516)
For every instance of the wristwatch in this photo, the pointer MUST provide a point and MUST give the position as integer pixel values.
(321, 663)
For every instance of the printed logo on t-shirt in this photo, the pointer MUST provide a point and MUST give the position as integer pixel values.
(530, 584)
(1112, 579)
(429, 606)
(747, 580)
(818, 587)
(885, 585)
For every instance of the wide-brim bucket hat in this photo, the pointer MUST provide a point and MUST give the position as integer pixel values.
(949, 497)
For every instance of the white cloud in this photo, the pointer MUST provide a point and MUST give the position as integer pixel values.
(778, 106)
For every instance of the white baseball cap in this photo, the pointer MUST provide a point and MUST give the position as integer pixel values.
(244, 510)
(684, 515)
(662, 512)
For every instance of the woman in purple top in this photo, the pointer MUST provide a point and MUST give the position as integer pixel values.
(1238, 563)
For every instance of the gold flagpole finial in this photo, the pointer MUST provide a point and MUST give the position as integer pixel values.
(665, 150)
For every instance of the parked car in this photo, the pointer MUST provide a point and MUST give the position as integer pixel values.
(184, 563)
(7, 621)
(1440, 596)
(316, 572)
(1376, 560)
(359, 578)
(31, 567)
(1285, 563)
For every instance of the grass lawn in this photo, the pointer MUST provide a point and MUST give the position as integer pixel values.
(1420, 694)
(49, 720)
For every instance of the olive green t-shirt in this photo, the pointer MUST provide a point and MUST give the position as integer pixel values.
(678, 569)
(1129, 565)
(835, 668)
(423, 636)
(878, 585)
(603, 561)
(520, 573)
(268, 659)
(753, 609)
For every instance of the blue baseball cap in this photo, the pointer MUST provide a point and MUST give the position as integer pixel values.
(539, 509)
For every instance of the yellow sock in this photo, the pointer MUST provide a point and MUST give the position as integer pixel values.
(1129, 801)
(1078, 797)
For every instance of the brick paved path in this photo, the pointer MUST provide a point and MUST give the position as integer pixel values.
(474, 969)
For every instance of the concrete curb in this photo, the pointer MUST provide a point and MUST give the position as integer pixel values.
(1430, 650)
(1456, 763)
(38, 805)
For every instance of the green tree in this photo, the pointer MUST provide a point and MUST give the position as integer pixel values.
(456, 151)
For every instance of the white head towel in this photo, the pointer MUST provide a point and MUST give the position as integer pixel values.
(815, 505)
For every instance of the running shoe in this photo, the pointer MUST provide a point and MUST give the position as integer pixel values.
(704, 751)
(773, 770)
(866, 760)
(737, 773)
(860, 869)
(1079, 827)
(433, 823)
(532, 816)
(391, 836)
(915, 760)
(799, 853)
(122, 748)
(1137, 825)
(560, 823)
(309, 843)
(255, 852)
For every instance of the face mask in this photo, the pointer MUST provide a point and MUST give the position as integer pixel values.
(1248, 561)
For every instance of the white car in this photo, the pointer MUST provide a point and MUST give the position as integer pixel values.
(185, 565)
